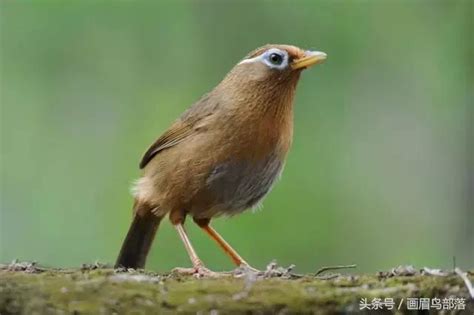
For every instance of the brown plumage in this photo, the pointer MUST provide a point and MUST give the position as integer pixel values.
(222, 155)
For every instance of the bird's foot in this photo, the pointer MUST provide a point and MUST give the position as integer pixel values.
(246, 269)
(199, 272)
(249, 268)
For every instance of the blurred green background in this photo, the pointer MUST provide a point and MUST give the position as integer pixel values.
(380, 172)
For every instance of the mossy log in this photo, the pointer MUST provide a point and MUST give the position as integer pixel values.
(28, 289)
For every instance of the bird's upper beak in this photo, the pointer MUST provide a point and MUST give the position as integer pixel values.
(310, 58)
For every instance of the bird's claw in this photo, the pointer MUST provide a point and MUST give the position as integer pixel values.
(246, 270)
(198, 272)
(250, 268)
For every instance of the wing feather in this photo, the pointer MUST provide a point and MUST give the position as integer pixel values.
(177, 133)
(193, 120)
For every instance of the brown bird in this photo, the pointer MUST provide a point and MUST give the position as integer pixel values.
(222, 155)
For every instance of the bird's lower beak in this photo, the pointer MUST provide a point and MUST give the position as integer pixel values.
(311, 58)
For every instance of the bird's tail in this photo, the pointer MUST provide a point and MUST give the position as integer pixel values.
(139, 238)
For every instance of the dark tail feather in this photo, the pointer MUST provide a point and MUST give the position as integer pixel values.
(139, 238)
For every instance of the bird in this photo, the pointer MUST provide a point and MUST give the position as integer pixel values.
(221, 156)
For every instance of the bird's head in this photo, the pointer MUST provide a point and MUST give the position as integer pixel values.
(280, 59)
(271, 71)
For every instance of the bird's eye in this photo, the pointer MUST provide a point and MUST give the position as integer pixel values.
(275, 58)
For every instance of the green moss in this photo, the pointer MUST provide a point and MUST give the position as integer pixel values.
(105, 291)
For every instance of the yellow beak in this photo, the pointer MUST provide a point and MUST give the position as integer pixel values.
(311, 58)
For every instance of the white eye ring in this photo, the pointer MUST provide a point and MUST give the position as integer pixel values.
(265, 58)
(280, 63)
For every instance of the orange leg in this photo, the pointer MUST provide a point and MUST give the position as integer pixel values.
(195, 260)
(198, 267)
(232, 253)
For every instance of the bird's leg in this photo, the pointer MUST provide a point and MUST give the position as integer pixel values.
(198, 267)
(232, 253)
(195, 260)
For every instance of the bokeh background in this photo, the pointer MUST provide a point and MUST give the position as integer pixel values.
(381, 169)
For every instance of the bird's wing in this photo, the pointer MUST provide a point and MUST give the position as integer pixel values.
(174, 135)
(193, 120)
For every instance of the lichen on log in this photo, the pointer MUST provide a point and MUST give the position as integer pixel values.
(29, 289)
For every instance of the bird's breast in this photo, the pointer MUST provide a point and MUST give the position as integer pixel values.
(247, 164)
(236, 185)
